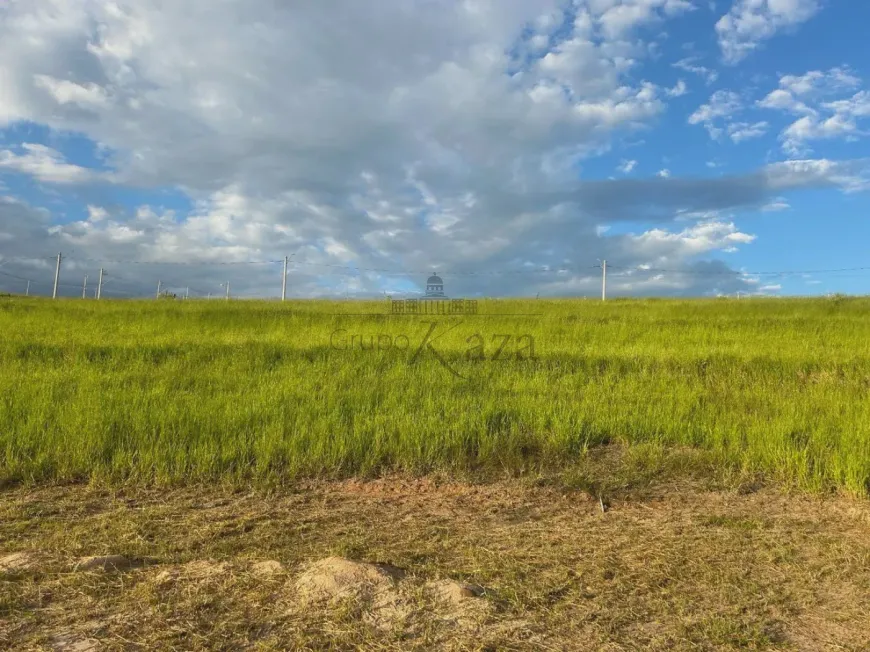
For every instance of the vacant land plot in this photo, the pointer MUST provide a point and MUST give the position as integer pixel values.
(163, 391)
(541, 475)
(404, 564)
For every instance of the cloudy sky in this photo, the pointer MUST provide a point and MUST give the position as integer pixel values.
(508, 144)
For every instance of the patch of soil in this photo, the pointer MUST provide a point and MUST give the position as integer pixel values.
(683, 569)
(387, 597)
(267, 569)
(18, 562)
(73, 643)
(335, 578)
(457, 604)
(199, 570)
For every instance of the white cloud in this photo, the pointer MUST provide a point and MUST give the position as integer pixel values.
(372, 136)
(45, 164)
(778, 204)
(678, 90)
(229, 226)
(697, 239)
(796, 136)
(626, 166)
(816, 81)
(857, 106)
(617, 19)
(689, 65)
(850, 176)
(784, 101)
(97, 213)
(664, 173)
(67, 92)
(803, 95)
(740, 131)
(796, 90)
(722, 105)
(750, 22)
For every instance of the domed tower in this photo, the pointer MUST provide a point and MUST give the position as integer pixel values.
(435, 287)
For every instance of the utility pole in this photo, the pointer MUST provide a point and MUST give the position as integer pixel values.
(284, 281)
(604, 280)
(158, 289)
(85, 288)
(100, 285)
(56, 276)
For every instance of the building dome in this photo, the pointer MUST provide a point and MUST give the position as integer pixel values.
(435, 287)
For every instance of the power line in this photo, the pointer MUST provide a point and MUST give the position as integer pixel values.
(136, 286)
(409, 272)
(20, 278)
(697, 272)
(334, 266)
(173, 262)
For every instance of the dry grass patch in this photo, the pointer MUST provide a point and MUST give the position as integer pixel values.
(425, 564)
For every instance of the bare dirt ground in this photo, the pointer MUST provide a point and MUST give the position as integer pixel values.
(400, 564)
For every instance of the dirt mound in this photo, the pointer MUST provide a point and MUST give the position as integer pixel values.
(17, 562)
(387, 598)
(457, 604)
(455, 593)
(334, 578)
(371, 587)
(267, 569)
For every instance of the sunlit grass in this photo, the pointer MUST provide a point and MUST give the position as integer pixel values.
(187, 391)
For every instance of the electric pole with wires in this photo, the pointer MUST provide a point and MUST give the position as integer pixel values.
(284, 281)
(56, 276)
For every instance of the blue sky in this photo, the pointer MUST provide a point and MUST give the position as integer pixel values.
(688, 142)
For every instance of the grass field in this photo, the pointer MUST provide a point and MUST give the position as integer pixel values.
(166, 392)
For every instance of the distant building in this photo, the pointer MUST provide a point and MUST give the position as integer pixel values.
(434, 302)
(435, 287)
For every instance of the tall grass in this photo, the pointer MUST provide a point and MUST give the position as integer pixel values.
(189, 391)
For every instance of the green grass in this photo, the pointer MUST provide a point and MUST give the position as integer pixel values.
(200, 391)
